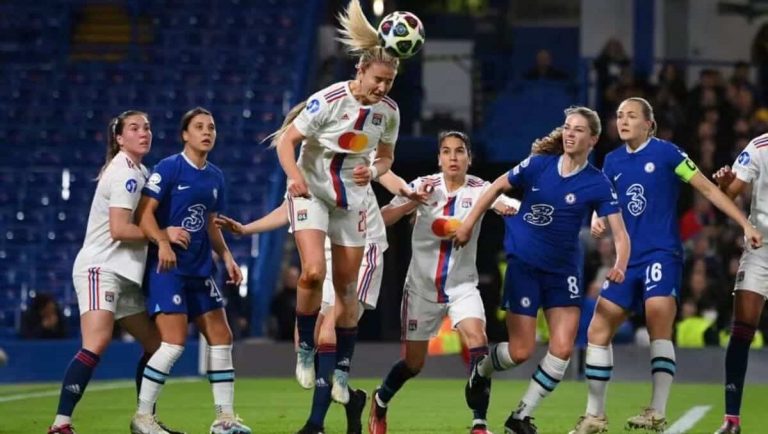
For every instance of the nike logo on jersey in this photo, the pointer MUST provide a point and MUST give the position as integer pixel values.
(535, 189)
(183, 187)
(616, 178)
(650, 287)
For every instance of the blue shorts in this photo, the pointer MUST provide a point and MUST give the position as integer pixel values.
(526, 288)
(657, 277)
(169, 292)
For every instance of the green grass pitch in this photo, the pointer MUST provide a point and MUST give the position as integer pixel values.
(277, 406)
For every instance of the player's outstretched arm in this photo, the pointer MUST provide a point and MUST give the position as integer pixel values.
(506, 206)
(623, 247)
(276, 218)
(726, 205)
(393, 213)
(464, 232)
(219, 246)
(728, 182)
(397, 186)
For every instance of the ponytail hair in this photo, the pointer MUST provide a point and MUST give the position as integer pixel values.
(647, 112)
(361, 39)
(115, 129)
(552, 144)
(289, 118)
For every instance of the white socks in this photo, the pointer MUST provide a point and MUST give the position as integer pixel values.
(498, 360)
(221, 374)
(547, 376)
(663, 367)
(155, 373)
(598, 372)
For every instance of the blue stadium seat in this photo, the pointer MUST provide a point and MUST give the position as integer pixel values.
(56, 113)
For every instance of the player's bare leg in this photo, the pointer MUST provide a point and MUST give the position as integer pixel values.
(310, 244)
(173, 336)
(402, 371)
(599, 365)
(221, 373)
(747, 309)
(660, 318)
(563, 324)
(477, 391)
(143, 329)
(346, 265)
(96, 327)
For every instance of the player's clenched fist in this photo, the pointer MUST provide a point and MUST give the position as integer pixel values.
(297, 187)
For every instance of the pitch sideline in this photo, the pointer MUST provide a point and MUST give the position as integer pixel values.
(688, 420)
(123, 384)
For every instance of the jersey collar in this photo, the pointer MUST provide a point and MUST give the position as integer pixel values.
(191, 163)
(137, 167)
(444, 185)
(348, 88)
(575, 172)
(639, 148)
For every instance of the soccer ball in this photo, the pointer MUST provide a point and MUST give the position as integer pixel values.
(401, 34)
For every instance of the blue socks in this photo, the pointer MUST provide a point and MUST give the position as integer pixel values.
(76, 379)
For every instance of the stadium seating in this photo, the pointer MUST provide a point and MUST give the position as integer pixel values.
(245, 61)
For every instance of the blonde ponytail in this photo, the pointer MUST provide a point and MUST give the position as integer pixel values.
(360, 38)
(356, 33)
(552, 144)
(292, 114)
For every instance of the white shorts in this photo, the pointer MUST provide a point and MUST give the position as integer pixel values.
(98, 289)
(344, 227)
(753, 272)
(421, 318)
(368, 279)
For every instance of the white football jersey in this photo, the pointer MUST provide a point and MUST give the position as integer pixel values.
(438, 271)
(751, 166)
(119, 187)
(340, 134)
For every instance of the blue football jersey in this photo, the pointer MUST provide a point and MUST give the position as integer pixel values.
(187, 196)
(647, 182)
(545, 231)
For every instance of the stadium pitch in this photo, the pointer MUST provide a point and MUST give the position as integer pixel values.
(277, 406)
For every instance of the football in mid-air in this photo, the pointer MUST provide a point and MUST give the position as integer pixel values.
(401, 34)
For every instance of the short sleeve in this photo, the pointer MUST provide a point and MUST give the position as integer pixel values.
(313, 117)
(518, 176)
(685, 168)
(607, 202)
(747, 167)
(124, 189)
(160, 181)
(391, 128)
(402, 200)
